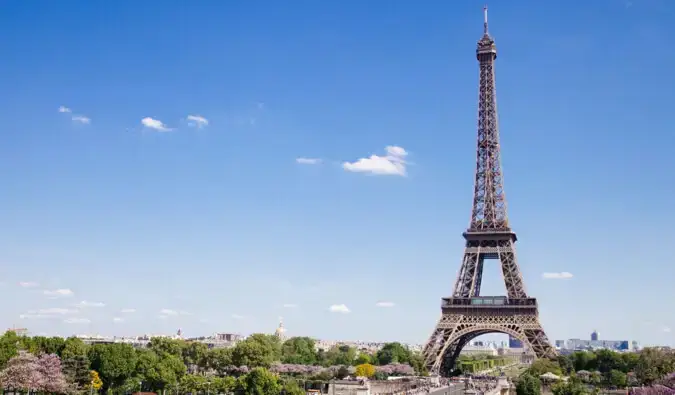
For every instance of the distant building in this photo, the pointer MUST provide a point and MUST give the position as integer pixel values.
(515, 343)
(560, 344)
(594, 336)
(281, 331)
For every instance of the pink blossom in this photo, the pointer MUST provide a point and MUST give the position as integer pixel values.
(21, 373)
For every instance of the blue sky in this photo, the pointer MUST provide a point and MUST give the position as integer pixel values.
(220, 226)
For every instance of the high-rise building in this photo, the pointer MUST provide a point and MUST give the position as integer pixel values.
(515, 343)
(594, 336)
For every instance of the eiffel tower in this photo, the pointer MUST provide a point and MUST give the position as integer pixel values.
(467, 314)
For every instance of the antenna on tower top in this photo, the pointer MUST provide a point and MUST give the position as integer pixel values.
(485, 25)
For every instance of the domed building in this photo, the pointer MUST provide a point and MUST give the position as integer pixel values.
(281, 331)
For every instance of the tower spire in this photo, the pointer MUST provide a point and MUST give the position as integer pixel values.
(485, 21)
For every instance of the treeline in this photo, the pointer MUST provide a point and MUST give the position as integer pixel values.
(652, 369)
(178, 365)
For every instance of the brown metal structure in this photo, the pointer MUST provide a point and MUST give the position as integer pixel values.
(466, 314)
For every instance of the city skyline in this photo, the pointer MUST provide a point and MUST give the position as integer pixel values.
(217, 166)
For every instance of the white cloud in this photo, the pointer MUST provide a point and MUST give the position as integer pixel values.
(81, 119)
(77, 321)
(54, 311)
(339, 308)
(168, 312)
(197, 121)
(127, 311)
(237, 317)
(64, 109)
(35, 316)
(393, 163)
(385, 304)
(666, 329)
(308, 161)
(63, 292)
(290, 305)
(118, 319)
(155, 124)
(28, 284)
(84, 304)
(557, 276)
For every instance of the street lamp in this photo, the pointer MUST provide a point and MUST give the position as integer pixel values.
(140, 386)
(208, 388)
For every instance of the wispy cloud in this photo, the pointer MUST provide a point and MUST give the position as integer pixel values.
(557, 275)
(308, 161)
(28, 284)
(290, 305)
(339, 308)
(393, 163)
(63, 292)
(666, 329)
(385, 304)
(77, 321)
(35, 316)
(197, 121)
(238, 317)
(64, 109)
(54, 311)
(81, 119)
(118, 319)
(84, 304)
(127, 311)
(155, 124)
(168, 312)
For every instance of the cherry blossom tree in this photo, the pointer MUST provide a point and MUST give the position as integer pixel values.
(51, 376)
(22, 373)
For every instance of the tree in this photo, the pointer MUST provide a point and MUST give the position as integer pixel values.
(260, 381)
(393, 353)
(219, 359)
(21, 373)
(365, 370)
(417, 363)
(115, 363)
(76, 370)
(570, 387)
(566, 364)
(364, 358)
(340, 355)
(95, 381)
(8, 347)
(618, 378)
(257, 350)
(544, 365)
(51, 376)
(195, 354)
(291, 387)
(299, 350)
(528, 385)
(166, 346)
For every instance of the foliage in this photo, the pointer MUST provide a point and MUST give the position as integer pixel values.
(340, 355)
(260, 382)
(618, 378)
(94, 380)
(363, 357)
(365, 370)
(299, 350)
(393, 353)
(528, 385)
(291, 387)
(544, 365)
(569, 387)
(257, 350)
(51, 376)
(8, 347)
(116, 363)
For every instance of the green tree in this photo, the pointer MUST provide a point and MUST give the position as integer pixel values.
(364, 358)
(115, 363)
(291, 387)
(43, 345)
(73, 347)
(528, 385)
(566, 364)
(299, 350)
(195, 354)
(340, 355)
(583, 360)
(260, 381)
(608, 360)
(393, 353)
(570, 387)
(166, 346)
(618, 378)
(8, 347)
(76, 370)
(257, 350)
(342, 372)
(417, 363)
(544, 365)
(219, 359)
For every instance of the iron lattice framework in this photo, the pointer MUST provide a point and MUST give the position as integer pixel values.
(489, 236)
